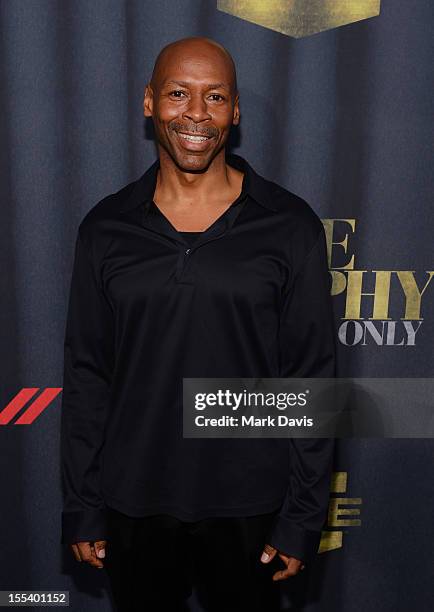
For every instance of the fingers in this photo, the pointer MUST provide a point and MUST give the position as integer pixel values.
(99, 546)
(292, 568)
(76, 552)
(87, 551)
(268, 553)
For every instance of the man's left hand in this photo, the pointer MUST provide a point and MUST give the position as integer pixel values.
(293, 565)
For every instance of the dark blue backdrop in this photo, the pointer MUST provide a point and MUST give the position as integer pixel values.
(342, 118)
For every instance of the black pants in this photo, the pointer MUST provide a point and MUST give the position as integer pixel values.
(153, 562)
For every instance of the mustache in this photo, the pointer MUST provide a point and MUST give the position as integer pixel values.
(210, 131)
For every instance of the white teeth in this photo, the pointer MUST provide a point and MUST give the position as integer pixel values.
(193, 138)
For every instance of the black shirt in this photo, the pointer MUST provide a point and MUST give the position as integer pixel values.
(250, 297)
(190, 237)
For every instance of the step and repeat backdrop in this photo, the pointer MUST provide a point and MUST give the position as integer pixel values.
(336, 105)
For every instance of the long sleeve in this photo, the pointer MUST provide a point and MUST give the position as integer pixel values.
(307, 349)
(88, 364)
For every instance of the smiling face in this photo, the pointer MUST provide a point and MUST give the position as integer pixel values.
(193, 102)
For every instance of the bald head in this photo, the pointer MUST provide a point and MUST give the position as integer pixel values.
(194, 49)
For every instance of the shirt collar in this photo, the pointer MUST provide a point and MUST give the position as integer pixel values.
(253, 184)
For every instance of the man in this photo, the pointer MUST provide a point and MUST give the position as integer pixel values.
(200, 268)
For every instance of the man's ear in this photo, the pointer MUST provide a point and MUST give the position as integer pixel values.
(236, 115)
(148, 101)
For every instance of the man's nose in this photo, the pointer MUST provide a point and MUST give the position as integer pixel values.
(197, 109)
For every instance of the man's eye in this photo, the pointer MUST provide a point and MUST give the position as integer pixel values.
(178, 93)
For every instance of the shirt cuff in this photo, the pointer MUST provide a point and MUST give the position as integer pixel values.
(294, 541)
(84, 526)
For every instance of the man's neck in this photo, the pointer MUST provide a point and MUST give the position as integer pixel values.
(218, 182)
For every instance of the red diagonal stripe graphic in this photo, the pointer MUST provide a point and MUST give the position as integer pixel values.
(38, 406)
(16, 404)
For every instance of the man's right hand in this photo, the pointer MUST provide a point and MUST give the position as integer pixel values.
(91, 552)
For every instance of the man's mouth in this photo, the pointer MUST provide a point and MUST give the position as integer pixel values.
(195, 142)
(193, 137)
